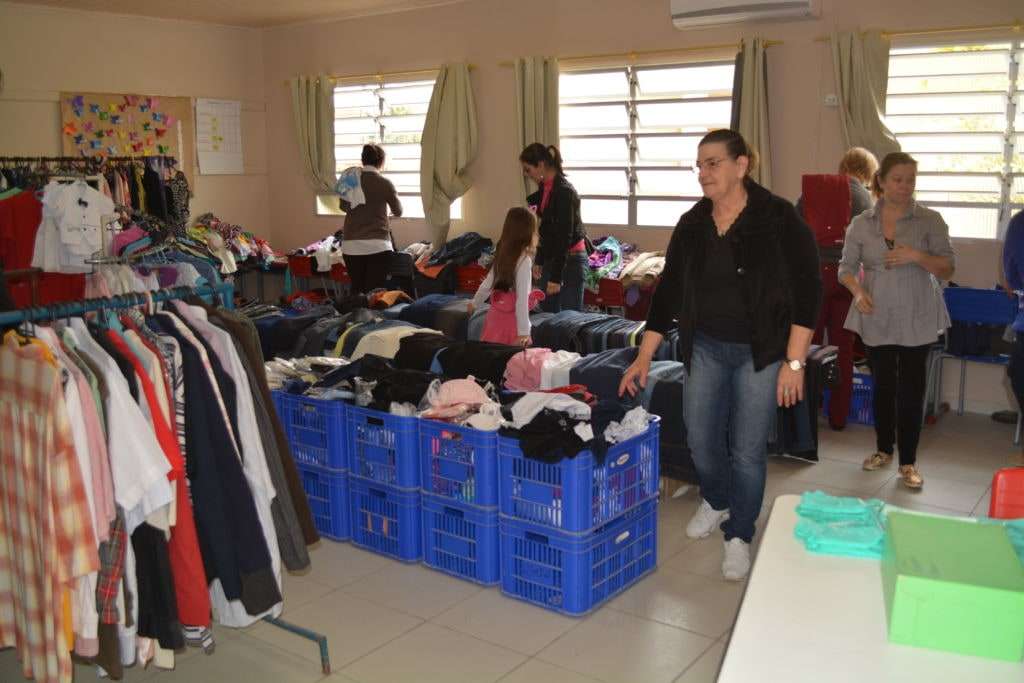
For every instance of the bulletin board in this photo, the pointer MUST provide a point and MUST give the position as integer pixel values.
(108, 124)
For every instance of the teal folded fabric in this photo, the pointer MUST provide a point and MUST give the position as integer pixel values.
(843, 526)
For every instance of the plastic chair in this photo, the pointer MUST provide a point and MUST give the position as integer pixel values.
(1007, 494)
(975, 306)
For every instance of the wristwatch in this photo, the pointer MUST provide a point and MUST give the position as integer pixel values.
(796, 365)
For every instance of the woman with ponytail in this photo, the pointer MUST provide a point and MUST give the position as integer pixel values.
(562, 255)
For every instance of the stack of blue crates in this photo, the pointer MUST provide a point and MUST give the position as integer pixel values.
(459, 480)
(316, 434)
(384, 482)
(577, 532)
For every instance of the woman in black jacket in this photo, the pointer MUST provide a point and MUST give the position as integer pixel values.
(562, 254)
(741, 277)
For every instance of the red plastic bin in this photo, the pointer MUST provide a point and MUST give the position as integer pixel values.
(469, 278)
(301, 266)
(610, 293)
(1007, 494)
(339, 273)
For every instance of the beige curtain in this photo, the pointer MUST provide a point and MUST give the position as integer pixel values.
(753, 107)
(449, 145)
(313, 108)
(861, 66)
(536, 101)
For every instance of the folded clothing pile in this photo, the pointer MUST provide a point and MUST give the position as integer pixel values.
(839, 525)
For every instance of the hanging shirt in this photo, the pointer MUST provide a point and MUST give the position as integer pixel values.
(46, 540)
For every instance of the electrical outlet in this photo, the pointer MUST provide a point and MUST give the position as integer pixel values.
(831, 100)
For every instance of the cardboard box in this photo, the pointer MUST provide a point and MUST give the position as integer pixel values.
(954, 585)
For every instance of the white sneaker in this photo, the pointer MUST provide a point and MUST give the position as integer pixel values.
(736, 562)
(705, 520)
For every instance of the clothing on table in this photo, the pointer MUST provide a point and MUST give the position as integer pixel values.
(385, 342)
(602, 372)
(524, 371)
(729, 407)
(453, 319)
(643, 271)
(532, 403)
(606, 259)
(900, 375)
(483, 360)
(461, 250)
(556, 369)
(424, 310)
(417, 351)
(908, 307)
(349, 341)
(551, 435)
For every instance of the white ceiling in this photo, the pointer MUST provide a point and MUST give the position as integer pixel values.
(252, 13)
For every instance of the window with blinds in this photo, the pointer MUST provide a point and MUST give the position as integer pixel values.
(391, 115)
(957, 110)
(629, 137)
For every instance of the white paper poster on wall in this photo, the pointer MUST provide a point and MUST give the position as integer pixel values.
(219, 136)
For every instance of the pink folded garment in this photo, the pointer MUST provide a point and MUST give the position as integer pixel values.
(455, 392)
(523, 372)
(126, 237)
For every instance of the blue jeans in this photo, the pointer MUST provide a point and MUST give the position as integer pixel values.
(570, 297)
(728, 409)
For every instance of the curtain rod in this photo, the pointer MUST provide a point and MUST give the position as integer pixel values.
(633, 55)
(1015, 27)
(381, 75)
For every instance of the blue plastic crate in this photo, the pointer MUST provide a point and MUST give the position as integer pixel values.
(578, 494)
(327, 491)
(459, 463)
(385, 519)
(383, 447)
(862, 410)
(989, 306)
(461, 540)
(575, 573)
(315, 429)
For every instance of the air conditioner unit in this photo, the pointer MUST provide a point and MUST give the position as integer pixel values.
(700, 13)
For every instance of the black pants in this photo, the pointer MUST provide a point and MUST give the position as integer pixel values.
(368, 272)
(900, 374)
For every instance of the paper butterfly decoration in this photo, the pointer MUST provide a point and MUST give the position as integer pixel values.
(137, 147)
(79, 139)
(143, 107)
(131, 100)
(70, 128)
(94, 108)
(113, 108)
(121, 107)
(150, 151)
(123, 135)
(149, 141)
(164, 149)
(115, 119)
(169, 120)
(160, 132)
(99, 134)
(110, 132)
(158, 117)
(77, 102)
(145, 125)
(112, 150)
(88, 126)
(95, 144)
(133, 135)
(104, 116)
(78, 112)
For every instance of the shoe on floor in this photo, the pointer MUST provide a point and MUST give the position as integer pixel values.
(910, 477)
(705, 520)
(877, 461)
(736, 561)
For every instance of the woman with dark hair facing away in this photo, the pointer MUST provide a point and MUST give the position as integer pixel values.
(741, 278)
(562, 254)
(366, 244)
(508, 283)
(898, 310)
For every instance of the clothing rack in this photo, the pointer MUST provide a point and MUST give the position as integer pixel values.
(75, 308)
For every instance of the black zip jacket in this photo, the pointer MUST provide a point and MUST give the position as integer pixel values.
(776, 258)
(560, 225)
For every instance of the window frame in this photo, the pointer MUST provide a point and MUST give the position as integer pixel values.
(633, 135)
(327, 204)
(1013, 97)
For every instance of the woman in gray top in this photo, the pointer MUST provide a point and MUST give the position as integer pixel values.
(898, 309)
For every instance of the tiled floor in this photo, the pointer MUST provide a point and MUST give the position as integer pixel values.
(389, 623)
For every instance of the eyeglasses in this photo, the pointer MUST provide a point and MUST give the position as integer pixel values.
(708, 164)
